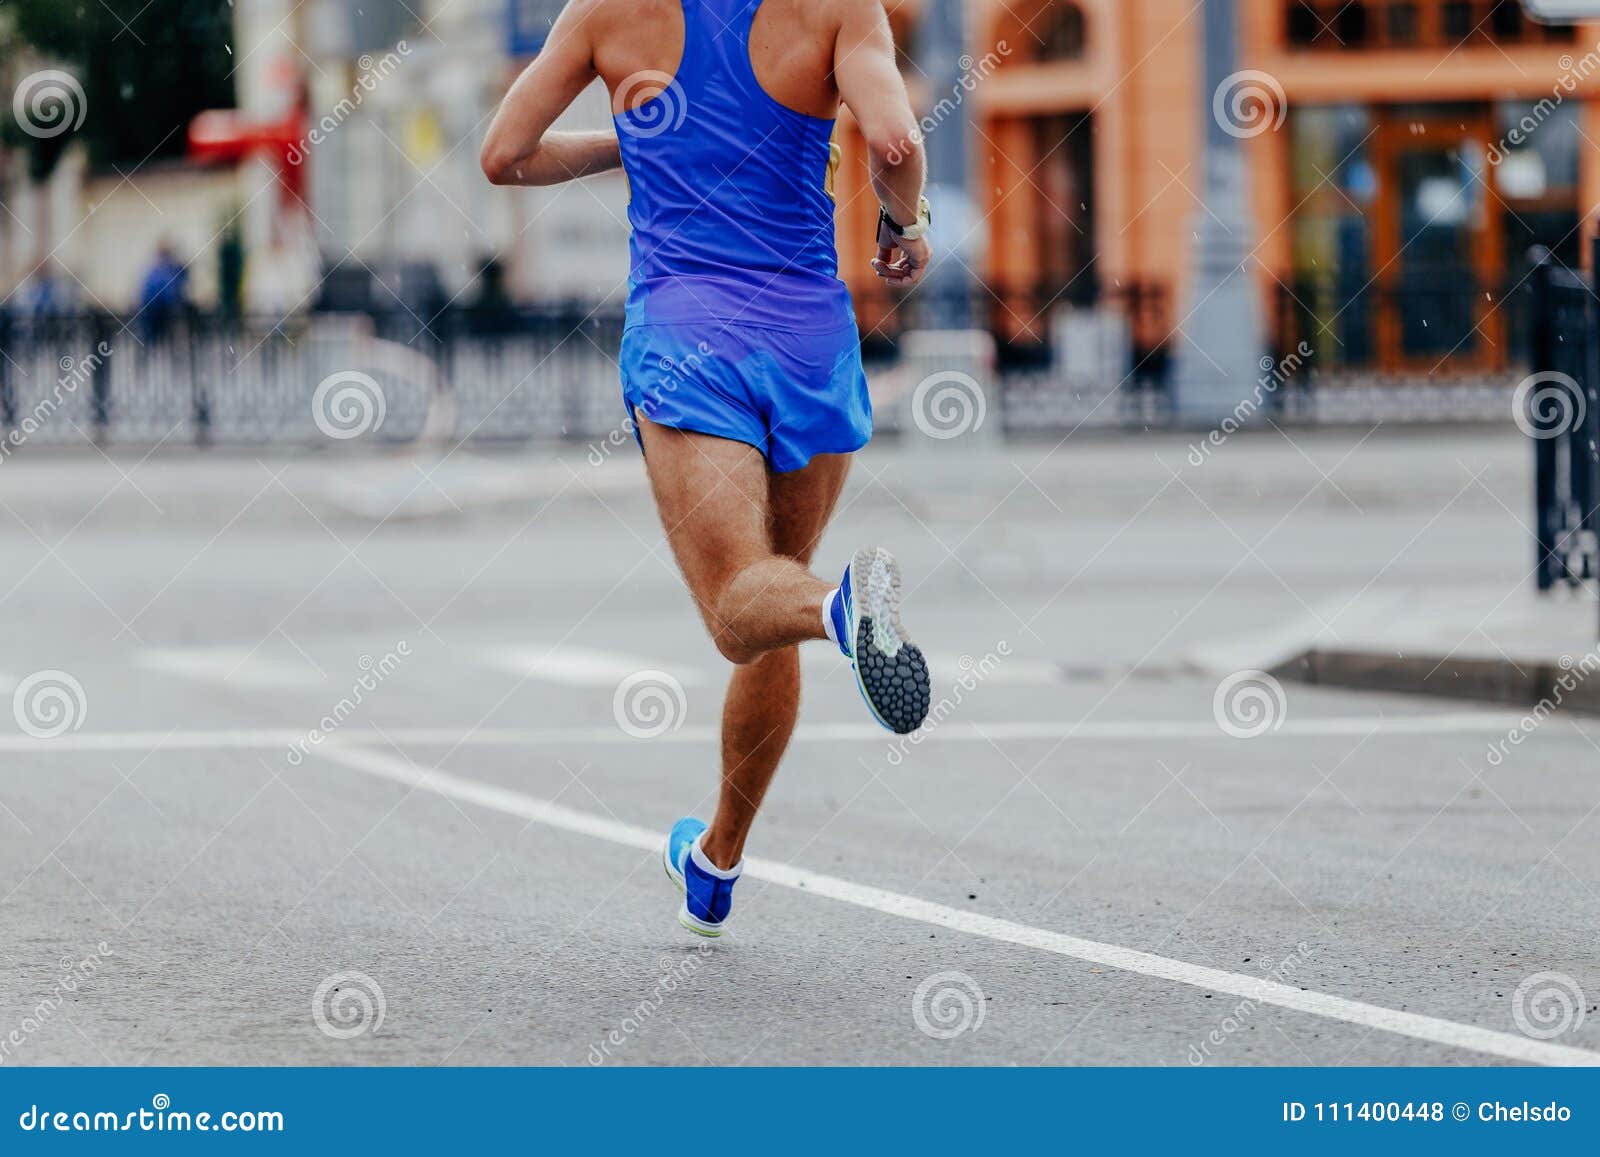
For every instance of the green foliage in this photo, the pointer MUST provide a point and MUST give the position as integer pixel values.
(146, 70)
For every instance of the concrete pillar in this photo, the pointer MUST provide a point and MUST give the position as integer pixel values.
(1222, 338)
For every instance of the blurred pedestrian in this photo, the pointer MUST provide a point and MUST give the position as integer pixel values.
(44, 293)
(163, 294)
(491, 311)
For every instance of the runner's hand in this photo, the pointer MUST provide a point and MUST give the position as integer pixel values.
(914, 258)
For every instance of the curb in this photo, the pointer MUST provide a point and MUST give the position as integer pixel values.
(1487, 680)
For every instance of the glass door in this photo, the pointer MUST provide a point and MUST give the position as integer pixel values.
(1437, 251)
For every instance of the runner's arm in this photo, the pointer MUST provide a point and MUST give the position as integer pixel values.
(520, 149)
(872, 89)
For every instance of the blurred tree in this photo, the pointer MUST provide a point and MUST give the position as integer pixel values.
(145, 69)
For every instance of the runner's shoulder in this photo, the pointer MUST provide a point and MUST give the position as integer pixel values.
(856, 17)
(846, 9)
(600, 16)
(838, 13)
(823, 21)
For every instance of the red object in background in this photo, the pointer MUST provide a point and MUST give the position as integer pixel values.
(225, 135)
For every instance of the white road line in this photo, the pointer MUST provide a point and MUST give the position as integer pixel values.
(1507, 1046)
(1122, 730)
(581, 666)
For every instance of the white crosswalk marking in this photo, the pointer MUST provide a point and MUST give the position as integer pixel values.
(583, 666)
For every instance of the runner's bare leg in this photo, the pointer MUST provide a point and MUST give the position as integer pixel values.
(744, 538)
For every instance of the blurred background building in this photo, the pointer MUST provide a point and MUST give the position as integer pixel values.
(1404, 156)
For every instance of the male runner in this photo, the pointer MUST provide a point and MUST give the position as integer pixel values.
(741, 361)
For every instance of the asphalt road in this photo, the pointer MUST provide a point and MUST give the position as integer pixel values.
(330, 789)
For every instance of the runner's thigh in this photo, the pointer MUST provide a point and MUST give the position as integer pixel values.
(802, 501)
(712, 497)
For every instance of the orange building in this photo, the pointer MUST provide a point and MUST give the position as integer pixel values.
(1404, 155)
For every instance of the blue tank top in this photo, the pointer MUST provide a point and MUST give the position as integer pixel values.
(732, 217)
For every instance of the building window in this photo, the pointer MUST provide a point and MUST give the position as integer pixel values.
(1334, 190)
(1336, 25)
(1458, 23)
(1047, 31)
(1063, 206)
(1401, 24)
(1534, 167)
(1413, 222)
(1062, 34)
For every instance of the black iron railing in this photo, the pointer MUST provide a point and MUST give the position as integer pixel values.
(545, 371)
(209, 377)
(1438, 323)
(1559, 410)
(1067, 355)
(1024, 317)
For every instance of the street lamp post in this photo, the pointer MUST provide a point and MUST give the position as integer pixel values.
(1222, 342)
(948, 359)
(942, 33)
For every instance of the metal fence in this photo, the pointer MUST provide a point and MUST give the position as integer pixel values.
(1432, 323)
(1560, 411)
(211, 379)
(1066, 358)
(541, 372)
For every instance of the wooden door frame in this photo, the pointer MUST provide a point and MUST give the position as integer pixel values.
(1392, 135)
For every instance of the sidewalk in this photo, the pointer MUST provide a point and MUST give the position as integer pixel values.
(1483, 642)
(1519, 647)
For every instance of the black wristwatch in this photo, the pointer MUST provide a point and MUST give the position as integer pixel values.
(916, 229)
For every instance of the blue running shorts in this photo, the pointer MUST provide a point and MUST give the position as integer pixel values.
(790, 395)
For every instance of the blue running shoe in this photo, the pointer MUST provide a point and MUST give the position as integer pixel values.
(890, 669)
(707, 889)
